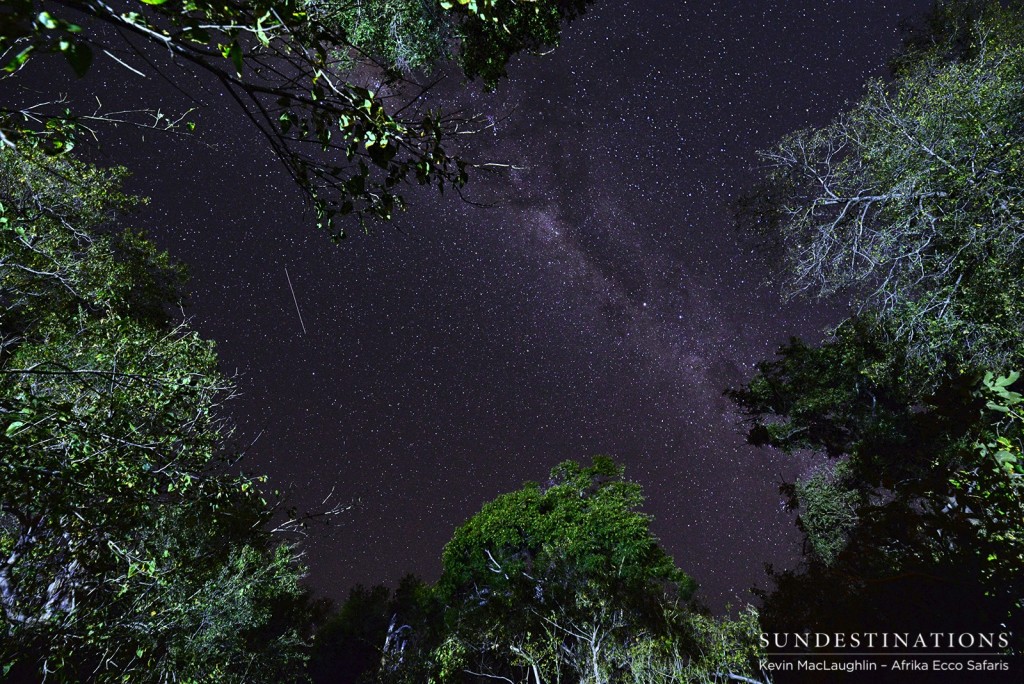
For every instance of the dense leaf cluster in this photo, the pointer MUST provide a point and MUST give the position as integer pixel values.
(912, 202)
(128, 551)
(324, 81)
(557, 581)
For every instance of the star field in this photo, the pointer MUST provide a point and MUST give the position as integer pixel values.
(601, 305)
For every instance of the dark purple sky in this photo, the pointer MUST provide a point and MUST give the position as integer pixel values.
(601, 306)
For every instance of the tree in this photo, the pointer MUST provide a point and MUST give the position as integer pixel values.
(988, 489)
(370, 638)
(919, 495)
(917, 520)
(857, 385)
(128, 549)
(912, 200)
(910, 203)
(563, 581)
(349, 137)
(404, 36)
(557, 578)
(347, 644)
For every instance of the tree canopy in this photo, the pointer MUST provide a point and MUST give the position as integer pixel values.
(568, 563)
(910, 203)
(559, 581)
(129, 550)
(326, 82)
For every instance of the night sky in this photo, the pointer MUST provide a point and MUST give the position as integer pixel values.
(601, 305)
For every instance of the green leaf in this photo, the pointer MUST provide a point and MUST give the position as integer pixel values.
(234, 53)
(79, 56)
(286, 122)
(1008, 380)
(13, 427)
(197, 35)
(260, 33)
(1004, 457)
(47, 20)
(15, 62)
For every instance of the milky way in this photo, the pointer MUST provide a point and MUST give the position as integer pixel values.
(601, 305)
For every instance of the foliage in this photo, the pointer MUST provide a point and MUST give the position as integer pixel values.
(858, 385)
(941, 547)
(372, 627)
(127, 550)
(991, 487)
(914, 474)
(487, 42)
(922, 499)
(723, 648)
(347, 645)
(947, 31)
(552, 577)
(912, 201)
(560, 581)
(829, 506)
(59, 254)
(399, 34)
(291, 65)
(911, 204)
(404, 35)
